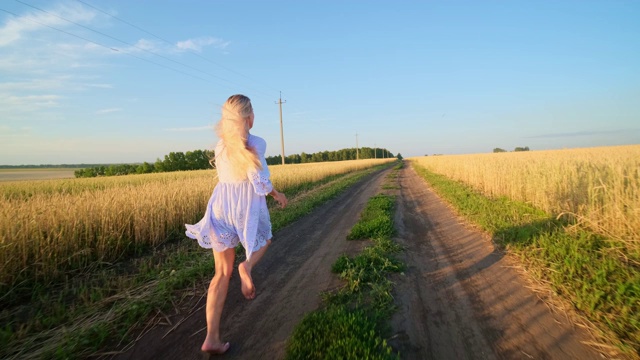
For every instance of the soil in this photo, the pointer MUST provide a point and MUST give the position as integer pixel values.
(459, 298)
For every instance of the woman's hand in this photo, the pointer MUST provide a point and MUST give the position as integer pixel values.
(279, 197)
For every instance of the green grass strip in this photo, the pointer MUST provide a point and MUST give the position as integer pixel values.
(353, 321)
(590, 271)
(338, 333)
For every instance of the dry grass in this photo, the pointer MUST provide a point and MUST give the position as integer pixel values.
(48, 228)
(597, 188)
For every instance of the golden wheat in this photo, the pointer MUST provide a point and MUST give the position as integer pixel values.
(49, 227)
(599, 187)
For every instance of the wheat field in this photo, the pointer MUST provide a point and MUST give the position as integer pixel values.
(598, 188)
(51, 227)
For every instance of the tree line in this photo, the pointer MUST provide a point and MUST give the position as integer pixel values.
(199, 160)
(499, 150)
(338, 155)
(174, 161)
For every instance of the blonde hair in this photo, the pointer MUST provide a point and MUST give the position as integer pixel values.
(233, 130)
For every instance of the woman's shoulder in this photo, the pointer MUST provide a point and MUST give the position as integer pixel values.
(257, 142)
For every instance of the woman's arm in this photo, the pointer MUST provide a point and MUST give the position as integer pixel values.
(279, 197)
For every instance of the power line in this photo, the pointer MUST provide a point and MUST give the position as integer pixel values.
(122, 41)
(171, 43)
(133, 45)
(108, 47)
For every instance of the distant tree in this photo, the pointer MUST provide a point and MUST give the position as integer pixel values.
(85, 173)
(110, 170)
(526, 148)
(145, 168)
(197, 160)
(499, 150)
(399, 156)
(158, 166)
(293, 159)
(175, 161)
(274, 160)
(366, 153)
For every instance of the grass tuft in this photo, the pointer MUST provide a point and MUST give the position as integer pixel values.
(375, 221)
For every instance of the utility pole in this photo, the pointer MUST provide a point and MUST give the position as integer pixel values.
(357, 152)
(281, 131)
(375, 151)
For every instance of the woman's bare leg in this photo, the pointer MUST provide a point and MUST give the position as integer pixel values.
(216, 297)
(245, 267)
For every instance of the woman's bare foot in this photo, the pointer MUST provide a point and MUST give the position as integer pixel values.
(248, 290)
(217, 349)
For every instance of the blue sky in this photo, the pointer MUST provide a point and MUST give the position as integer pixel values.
(416, 77)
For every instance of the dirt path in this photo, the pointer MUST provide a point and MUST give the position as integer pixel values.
(458, 299)
(462, 299)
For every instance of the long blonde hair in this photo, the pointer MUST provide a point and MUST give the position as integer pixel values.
(233, 129)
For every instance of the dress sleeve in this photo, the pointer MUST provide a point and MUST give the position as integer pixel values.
(260, 179)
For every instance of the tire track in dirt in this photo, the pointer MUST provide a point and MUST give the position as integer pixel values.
(289, 280)
(460, 298)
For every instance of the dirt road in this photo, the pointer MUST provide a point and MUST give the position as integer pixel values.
(458, 299)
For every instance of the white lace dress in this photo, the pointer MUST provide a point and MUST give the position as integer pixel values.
(237, 210)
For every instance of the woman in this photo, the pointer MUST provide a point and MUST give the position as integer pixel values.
(237, 211)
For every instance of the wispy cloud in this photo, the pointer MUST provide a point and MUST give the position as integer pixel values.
(42, 84)
(145, 45)
(162, 48)
(33, 102)
(197, 44)
(28, 108)
(19, 27)
(30, 45)
(108, 111)
(43, 70)
(187, 129)
(100, 86)
(581, 133)
(49, 84)
(31, 49)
